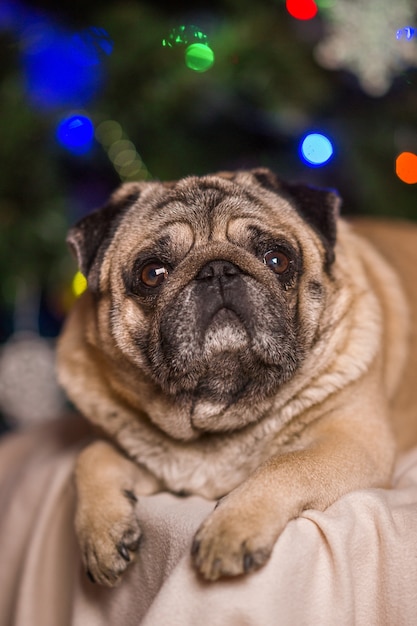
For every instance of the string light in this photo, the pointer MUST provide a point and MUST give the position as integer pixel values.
(406, 167)
(316, 149)
(121, 151)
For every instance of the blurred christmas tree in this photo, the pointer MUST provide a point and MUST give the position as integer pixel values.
(98, 92)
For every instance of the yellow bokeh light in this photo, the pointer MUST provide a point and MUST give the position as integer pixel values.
(121, 151)
(108, 132)
(79, 284)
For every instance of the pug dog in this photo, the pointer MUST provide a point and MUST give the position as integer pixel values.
(240, 341)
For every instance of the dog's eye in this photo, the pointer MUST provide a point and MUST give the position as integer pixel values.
(153, 274)
(277, 261)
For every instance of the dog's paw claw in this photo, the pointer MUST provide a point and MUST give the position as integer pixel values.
(224, 547)
(248, 562)
(195, 547)
(109, 543)
(90, 576)
(124, 552)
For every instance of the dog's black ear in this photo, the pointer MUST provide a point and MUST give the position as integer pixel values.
(91, 235)
(320, 208)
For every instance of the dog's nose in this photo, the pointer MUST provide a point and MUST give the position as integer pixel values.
(217, 269)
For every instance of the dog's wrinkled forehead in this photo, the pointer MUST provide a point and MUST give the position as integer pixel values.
(207, 207)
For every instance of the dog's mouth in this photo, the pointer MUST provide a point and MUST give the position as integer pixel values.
(225, 331)
(225, 315)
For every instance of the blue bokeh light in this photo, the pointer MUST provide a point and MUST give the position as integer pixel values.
(408, 32)
(92, 44)
(60, 68)
(316, 149)
(76, 133)
(58, 71)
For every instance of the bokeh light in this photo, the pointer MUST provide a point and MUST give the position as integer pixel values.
(121, 151)
(406, 167)
(108, 132)
(62, 68)
(316, 149)
(406, 33)
(76, 133)
(302, 9)
(199, 57)
(79, 284)
(185, 35)
(93, 43)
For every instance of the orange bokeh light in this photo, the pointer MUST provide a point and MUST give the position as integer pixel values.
(406, 167)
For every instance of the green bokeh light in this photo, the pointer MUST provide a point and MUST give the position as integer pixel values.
(184, 35)
(199, 57)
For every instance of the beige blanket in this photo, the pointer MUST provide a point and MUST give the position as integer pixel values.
(355, 564)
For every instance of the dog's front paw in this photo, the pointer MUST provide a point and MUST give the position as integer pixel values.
(109, 536)
(232, 541)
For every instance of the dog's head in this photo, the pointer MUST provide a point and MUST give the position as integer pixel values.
(211, 287)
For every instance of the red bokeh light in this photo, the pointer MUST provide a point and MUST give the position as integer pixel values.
(302, 9)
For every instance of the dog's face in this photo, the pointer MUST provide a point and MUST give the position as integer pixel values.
(210, 289)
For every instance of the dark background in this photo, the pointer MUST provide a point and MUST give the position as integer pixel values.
(264, 92)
